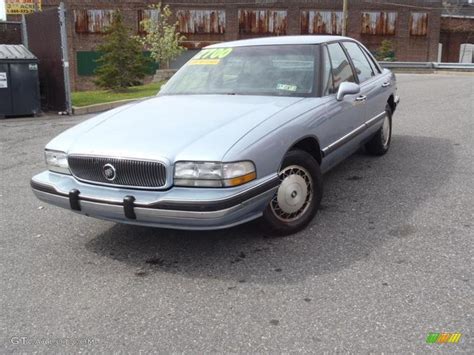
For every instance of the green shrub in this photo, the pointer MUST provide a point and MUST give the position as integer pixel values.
(386, 52)
(122, 63)
(161, 37)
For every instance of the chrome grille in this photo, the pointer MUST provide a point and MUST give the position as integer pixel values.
(128, 173)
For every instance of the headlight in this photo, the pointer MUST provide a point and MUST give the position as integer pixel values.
(209, 174)
(56, 161)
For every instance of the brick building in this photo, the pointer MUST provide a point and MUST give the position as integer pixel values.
(412, 26)
(457, 31)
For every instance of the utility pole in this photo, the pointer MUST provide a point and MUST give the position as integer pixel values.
(345, 16)
(24, 32)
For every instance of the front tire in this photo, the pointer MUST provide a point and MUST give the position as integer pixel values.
(380, 142)
(298, 197)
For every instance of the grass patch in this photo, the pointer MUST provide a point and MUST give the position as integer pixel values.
(86, 98)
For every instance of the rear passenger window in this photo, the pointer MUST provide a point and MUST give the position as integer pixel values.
(361, 64)
(341, 69)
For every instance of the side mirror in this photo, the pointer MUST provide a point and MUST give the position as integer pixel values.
(347, 88)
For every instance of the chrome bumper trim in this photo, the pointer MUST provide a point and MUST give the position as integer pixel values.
(178, 205)
(175, 219)
(91, 206)
(173, 208)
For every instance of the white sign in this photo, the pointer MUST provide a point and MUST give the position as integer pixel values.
(22, 7)
(3, 80)
(3, 13)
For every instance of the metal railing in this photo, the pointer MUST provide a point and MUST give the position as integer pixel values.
(468, 66)
(428, 65)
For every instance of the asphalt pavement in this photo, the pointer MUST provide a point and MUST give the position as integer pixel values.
(387, 260)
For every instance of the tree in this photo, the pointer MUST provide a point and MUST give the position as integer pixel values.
(122, 63)
(161, 36)
(386, 52)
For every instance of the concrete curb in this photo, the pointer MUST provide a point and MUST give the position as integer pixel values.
(84, 110)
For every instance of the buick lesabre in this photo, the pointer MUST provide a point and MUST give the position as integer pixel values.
(244, 130)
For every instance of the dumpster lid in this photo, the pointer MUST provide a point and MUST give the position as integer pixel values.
(15, 51)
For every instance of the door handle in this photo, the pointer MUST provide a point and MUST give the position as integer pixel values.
(386, 84)
(361, 98)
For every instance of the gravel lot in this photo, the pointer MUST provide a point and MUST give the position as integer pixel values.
(388, 259)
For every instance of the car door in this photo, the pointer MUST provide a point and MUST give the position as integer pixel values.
(343, 117)
(371, 89)
(383, 80)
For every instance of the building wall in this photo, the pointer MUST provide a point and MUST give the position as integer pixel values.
(454, 32)
(269, 17)
(10, 33)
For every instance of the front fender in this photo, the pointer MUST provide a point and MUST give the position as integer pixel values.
(267, 145)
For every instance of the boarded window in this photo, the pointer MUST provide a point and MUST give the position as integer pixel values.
(263, 22)
(201, 21)
(148, 14)
(418, 24)
(92, 21)
(80, 21)
(321, 22)
(379, 23)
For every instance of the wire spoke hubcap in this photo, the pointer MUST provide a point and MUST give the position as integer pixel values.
(294, 195)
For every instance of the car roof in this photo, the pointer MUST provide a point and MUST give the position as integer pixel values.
(281, 40)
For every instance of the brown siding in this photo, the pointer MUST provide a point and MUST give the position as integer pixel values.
(80, 21)
(92, 21)
(263, 22)
(321, 22)
(379, 23)
(418, 24)
(201, 21)
(147, 14)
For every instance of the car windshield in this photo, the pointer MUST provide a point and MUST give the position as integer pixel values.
(285, 70)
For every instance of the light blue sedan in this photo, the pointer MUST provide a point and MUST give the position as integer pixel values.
(244, 130)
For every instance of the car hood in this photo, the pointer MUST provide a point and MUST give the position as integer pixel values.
(172, 128)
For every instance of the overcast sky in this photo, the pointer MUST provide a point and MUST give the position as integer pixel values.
(2, 10)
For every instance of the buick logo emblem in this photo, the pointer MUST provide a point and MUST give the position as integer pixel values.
(109, 172)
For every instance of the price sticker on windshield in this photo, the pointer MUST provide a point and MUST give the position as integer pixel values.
(204, 61)
(211, 56)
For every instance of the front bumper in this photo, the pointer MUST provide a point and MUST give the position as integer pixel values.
(178, 207)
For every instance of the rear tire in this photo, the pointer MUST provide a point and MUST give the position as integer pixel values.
(298, 197)
(380, 142)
